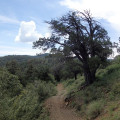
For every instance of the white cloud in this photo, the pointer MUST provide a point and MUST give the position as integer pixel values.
(47, 35)
(5, 19)
(106, 9)
(114, 53)
(27, 32)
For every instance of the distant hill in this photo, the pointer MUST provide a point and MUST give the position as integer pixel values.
(20, 58)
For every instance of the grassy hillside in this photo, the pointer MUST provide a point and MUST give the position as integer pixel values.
(101, 100)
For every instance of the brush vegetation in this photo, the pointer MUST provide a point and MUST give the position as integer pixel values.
(101, 100)
(18, 102)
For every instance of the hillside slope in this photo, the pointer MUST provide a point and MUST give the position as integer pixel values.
(101, 100)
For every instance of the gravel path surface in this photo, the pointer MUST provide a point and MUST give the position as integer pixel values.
(57, 107)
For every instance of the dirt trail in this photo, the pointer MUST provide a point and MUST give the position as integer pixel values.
(57, 108)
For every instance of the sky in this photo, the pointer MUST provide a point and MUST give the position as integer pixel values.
(23, 21)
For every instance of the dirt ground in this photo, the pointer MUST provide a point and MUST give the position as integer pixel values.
(57, 106)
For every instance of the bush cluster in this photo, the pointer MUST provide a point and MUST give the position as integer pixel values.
(23, 103)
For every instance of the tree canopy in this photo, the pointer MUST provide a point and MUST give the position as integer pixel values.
(81, 35)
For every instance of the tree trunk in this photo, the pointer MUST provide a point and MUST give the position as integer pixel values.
(89, 77)
(93, 76)
(75, 75)
(57, 78)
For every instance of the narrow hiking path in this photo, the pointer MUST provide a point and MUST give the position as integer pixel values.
(57, 107)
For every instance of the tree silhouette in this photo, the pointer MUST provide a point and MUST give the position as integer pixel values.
(83, 36)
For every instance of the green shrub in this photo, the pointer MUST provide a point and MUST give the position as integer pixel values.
(112, 68)
(117, 59)
(18, 103)
(26, 105)
(29, 104)
(10, 87)
(4, 108)
(116, 89)
(45, 90)
(94, 109)
(9, 84)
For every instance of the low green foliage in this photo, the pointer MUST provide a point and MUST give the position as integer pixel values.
(45, 90)
(97, 98)
(19, 103)
(9, 84)
(28, 105)
(94, 109)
